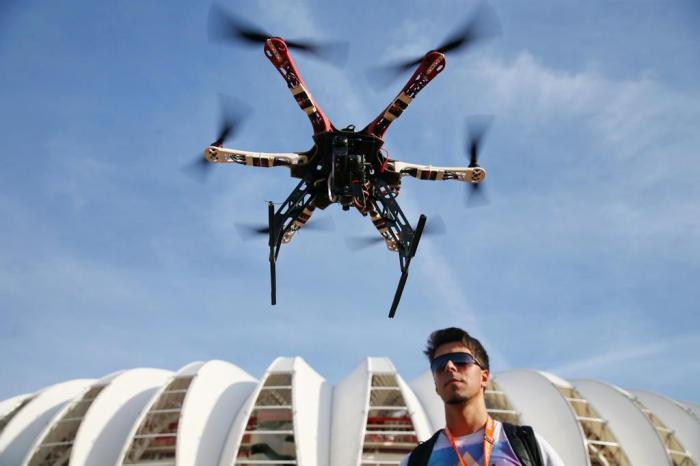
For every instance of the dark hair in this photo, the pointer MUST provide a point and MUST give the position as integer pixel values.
(454, 334)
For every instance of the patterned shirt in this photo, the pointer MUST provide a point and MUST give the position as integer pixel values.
(471, 448)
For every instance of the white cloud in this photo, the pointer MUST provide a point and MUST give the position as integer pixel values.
(607, 359)
(625, 355)
(629, 115)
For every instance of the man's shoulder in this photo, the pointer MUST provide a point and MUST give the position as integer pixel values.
(421, 453)
(527, 443)
(524, 443)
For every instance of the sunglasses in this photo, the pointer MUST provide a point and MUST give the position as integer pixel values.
(460, 360)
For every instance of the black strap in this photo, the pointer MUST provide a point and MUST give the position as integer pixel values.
(421, 454)
(524, 443)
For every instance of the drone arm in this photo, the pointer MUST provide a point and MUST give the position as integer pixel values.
(428, 172)
(433, 63)
(277, 52)
(217, 154)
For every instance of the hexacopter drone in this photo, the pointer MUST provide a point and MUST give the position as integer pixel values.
(345, 166)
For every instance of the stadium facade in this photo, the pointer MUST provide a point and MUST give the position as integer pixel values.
(215, 414)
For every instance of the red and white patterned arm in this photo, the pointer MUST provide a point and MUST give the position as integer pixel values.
(277, 52)
(216, 154)
(428, 172)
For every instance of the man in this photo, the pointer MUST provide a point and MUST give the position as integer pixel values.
(460, 367)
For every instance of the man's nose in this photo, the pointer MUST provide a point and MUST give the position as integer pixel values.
(450, 367)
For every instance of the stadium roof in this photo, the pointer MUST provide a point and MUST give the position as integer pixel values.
(214, 413)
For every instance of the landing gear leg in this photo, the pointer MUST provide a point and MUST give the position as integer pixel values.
(281, 223)
(398, 232)
(405, 263)
(272, 242)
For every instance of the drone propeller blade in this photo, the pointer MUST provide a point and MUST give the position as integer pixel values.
(249, 231)
(476, 196)
(482, 24)
(434, 226)
(383, 75)
(198, 169)
(233, 113)
(226, 27)
(356, 243)
(477, 127)
(334, 52)
(388, 73)
(324, 223)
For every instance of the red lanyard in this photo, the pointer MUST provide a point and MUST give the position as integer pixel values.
(488, 441)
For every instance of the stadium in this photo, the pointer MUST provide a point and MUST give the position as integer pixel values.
(214, 413)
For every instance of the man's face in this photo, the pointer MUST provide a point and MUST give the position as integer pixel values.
(457, 384)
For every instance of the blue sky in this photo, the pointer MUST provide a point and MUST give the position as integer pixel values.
(585, 262)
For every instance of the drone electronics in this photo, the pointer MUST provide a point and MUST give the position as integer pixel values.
(345, 166)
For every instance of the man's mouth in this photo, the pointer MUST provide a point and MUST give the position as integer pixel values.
(451, 381)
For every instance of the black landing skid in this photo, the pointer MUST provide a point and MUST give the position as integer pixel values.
(395, 228)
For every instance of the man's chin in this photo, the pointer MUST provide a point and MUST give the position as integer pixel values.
(456, 400)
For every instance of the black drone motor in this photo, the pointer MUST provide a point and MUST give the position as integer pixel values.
(348, 173)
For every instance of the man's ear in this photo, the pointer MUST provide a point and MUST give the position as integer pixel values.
(485, 376)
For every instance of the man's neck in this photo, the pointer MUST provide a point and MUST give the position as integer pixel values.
(466, 418)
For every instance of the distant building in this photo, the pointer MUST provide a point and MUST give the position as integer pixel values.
(215, 414)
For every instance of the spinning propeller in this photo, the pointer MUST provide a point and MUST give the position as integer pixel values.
(252, 231)
(434, 226)
(224, 26)
(477, 127)
(481, 25)
(233, 114)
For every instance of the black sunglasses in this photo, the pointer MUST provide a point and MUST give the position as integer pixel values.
(460, 360)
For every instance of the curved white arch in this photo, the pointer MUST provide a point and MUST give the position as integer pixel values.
(10, 404)
(189, 414)
(419, 417)
(424, 388)
(350, 398)
(693, 408)
(213, 399)
(20, 433)
(106, 425)
(310, 398)
(684, 424)
(147, 423)
(541, 405)
(631, 427)
(55, 442)
(10, 407)
(373, 404)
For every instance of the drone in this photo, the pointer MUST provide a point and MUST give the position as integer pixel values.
(345, 166)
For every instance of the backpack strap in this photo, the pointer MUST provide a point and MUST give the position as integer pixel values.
(524, 443)
(421, 454)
